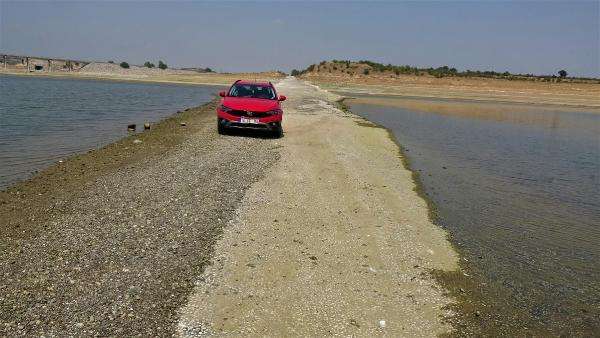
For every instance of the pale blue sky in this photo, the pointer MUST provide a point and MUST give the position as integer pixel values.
(538, 37)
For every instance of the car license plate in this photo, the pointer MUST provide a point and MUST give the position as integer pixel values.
(250, 121)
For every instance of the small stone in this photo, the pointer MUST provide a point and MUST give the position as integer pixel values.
(182, 124)
(131, 127)
(136, 141)
(147, 125)
(79, 325)
(477, 313)
(382, 324)
(462, 290)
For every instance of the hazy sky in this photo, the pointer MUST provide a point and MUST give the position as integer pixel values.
(538, 37)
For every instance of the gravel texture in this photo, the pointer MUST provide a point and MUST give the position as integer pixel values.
(110, 243)
(334, 242)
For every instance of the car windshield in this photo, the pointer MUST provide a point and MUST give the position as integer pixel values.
(253, 91)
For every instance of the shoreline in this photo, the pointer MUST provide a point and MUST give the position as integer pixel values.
(202, 79)
(427, 103)
(479, 310)
(73, 235)
(455, 282)
(488, 91)
(111, 156)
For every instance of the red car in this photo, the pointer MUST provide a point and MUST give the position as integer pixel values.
(251, 105)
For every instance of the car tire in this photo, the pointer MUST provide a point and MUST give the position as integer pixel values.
(220, 129)
(278, 132)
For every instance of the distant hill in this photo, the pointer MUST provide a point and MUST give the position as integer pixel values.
(370, 69)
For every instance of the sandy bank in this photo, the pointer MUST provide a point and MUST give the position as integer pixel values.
(333, 241)
(586, 96)
(173, 77)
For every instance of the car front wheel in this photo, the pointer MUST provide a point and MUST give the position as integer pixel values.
(220, 129)
(278, 132)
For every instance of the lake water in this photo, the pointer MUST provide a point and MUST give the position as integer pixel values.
(520, 194)
(43, 120)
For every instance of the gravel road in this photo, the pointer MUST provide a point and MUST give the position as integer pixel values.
(180, 231)
(96, 248)
(335, 241)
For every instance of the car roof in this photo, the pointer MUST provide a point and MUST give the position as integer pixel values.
(253, 82)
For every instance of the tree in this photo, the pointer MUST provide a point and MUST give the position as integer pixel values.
(562, 73)
(162, 65)
(295, 72)
(111, 61)
(208, 70)
(124, 65)
(148, 64)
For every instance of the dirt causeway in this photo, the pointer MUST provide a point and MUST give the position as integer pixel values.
(181, 231)
(333, 241)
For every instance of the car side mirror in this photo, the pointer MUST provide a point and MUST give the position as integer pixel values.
(282, 97)
(222, 94)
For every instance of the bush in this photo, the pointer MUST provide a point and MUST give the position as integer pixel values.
(124, 65)
(149, 64)
(208, 70)
(366, 72)
(295, 72)
(162, 65)
(111, 61)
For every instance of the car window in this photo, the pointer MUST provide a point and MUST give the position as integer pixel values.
(253, 91)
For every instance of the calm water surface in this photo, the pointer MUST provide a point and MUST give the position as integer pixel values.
(521, 199)
(43, 119)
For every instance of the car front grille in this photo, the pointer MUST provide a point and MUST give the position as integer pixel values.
(247, 113)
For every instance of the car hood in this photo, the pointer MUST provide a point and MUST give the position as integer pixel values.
(245, 103)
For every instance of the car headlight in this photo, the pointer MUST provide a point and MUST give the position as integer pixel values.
(225, 109)
(274, 112)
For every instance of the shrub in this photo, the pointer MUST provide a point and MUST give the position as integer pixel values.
(149, 64)
(124, 65)
(111, 61)
(562, 73)
(208, 70)
(162, 65)
(295, 72)
(366, 72)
